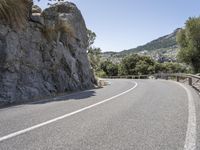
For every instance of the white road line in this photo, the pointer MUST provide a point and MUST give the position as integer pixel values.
(62, 117)
(190, 140)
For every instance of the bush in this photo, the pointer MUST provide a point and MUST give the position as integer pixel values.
(135, 64)
(109, 68)
(101, 74)
(169, 67)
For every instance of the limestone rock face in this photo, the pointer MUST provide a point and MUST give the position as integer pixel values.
(44, 59)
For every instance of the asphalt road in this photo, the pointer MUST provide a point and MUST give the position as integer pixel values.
(125, 115)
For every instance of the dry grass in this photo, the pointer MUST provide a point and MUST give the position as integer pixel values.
(65, 28)
(49, 33)
(52, 33)
(14, 12)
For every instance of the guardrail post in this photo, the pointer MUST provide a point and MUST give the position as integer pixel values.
(167, 77)
(190, 81)
(177, 78)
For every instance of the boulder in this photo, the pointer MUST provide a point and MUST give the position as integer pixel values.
(36, 15)
(37, 18)
(36, 9)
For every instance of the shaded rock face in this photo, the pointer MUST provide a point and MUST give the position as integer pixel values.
(33, 66)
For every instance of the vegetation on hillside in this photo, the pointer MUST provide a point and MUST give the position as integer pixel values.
(163, 49)
(165, 42)
(189, 41)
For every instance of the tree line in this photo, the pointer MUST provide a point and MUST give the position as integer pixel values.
(138, 65)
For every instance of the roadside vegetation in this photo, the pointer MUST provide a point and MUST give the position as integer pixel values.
(131, 64)
(139, 65)
(189, 41)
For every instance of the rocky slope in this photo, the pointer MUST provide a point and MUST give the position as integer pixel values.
(45, 57)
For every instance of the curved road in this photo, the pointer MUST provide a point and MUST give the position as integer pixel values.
(125, 115)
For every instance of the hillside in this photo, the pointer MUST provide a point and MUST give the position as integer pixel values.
(164, 48)
(165, 42)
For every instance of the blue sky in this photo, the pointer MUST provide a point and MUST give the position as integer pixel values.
(125, 24)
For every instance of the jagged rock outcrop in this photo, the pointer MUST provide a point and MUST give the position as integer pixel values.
(46, 57)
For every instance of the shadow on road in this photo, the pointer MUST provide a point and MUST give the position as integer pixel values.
(82, 95)
(74, 96)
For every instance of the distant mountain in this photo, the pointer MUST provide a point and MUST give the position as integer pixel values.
(165, 42)
(162, 49)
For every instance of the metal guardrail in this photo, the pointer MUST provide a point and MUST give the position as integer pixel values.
(190, 79)
(129, 77)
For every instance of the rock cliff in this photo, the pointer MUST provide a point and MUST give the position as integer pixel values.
(45, 57)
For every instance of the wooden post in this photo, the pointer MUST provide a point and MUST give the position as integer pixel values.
(190, 81)
(177, 78)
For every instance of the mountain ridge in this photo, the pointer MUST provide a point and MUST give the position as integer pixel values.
(162, 49)
(162, 42)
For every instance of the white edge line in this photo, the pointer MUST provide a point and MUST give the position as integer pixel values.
(11, 135)
(190, 140)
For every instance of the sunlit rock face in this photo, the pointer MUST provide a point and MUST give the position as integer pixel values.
(45, 57)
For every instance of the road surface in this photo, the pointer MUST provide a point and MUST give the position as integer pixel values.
(125, 115)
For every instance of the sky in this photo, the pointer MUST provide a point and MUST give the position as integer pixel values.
(125, 24)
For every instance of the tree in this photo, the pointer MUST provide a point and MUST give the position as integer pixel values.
(50, 2)
(94, 57)
(189, 41)
(135, 64)
(128, 64)
(159, 68)
(171, 67)
(109, 68)
(91, 37)
(94, 54)
(143, 68)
